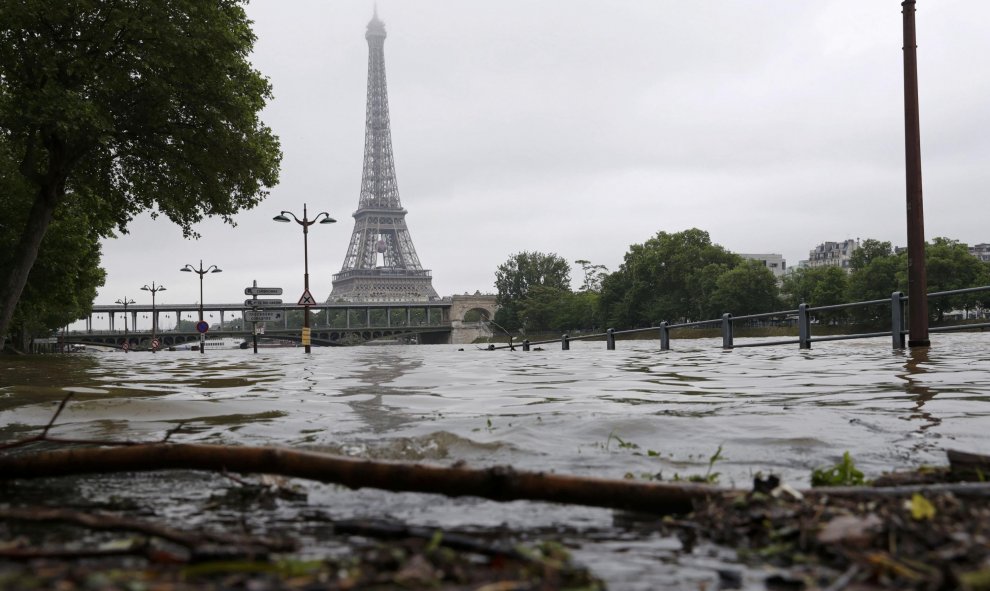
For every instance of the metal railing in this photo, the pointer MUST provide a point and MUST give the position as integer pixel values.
(804, 314)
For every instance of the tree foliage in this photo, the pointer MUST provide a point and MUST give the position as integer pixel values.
(121, 107)
(816, 286)
(64, 282)
(517, 277)
(593, 275)
(949, 266)
(750, 288)
(669, 277)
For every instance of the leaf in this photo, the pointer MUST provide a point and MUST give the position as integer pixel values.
(921, 508)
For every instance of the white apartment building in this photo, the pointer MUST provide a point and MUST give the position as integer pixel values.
(981, 251)
(831, 254)
(772, 261)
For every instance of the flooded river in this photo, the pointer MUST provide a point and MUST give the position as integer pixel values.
(635, 412)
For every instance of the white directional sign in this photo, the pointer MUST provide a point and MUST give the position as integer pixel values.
(255, 303)
(262, 291)
(262, 315)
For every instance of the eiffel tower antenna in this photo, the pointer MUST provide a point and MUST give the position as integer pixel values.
(380, 220)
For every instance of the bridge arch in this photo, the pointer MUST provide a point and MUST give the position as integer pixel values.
(470, 316)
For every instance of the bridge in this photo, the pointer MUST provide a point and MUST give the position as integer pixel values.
(453, 320)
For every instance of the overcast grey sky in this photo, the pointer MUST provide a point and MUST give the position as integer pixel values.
(580, 127)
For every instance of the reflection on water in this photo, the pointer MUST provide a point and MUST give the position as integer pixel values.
(780, 410)
(915, 368)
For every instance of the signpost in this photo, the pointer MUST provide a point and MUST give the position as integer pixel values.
(255, 314)
(257, 291)
(255, 302)
(262, 315)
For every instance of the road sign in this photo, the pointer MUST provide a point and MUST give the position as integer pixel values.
(154, 345)
(124, 347)
(262, 315)
(254, 303)
(262, 291)
(202, 326)
(306, 299)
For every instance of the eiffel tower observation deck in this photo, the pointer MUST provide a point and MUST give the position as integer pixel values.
(381, 264)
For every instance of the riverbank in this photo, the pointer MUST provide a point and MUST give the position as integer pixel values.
(910, 530)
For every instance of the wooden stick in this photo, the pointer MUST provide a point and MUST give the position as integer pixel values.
(497, 483)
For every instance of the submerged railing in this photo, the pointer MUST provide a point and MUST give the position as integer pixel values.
(804, 314)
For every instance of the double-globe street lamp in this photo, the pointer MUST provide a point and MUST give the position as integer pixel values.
(307, 299)
(154, 317)
(201, 271)
(125, 302)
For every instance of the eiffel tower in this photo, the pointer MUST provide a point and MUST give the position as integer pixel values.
(381, 263)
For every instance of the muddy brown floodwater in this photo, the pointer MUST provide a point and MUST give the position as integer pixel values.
(635, 412)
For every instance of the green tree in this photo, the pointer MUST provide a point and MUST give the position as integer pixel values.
(816, 286)
(62, 287)
(542, 308)
(669, 277)
(874, 277)
(122, 108)
(875, 281)
(868, 251)
(949, 266)
(750, 288)
(593, 275)
(578, 311)
(518, 275)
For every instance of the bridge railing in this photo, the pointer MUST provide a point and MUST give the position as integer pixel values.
(803, 315)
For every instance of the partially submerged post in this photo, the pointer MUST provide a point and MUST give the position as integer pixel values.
(917, 280)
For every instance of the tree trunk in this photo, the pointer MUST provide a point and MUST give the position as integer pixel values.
(12, 285)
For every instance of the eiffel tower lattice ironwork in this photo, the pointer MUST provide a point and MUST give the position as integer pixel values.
(381, 264)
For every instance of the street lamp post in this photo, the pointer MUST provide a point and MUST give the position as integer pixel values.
(125, 302)
(154, 317)
(305, 223)
(201, 271)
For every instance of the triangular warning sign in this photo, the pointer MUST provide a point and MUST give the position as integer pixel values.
(306, 299)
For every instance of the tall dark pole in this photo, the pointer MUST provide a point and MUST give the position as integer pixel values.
(125, 302)
(917, 278)
(305, 222)
(306, 277)
(154, 319)
(201, 271)
(202, 335)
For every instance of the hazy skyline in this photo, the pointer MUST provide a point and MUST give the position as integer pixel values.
(580, 127)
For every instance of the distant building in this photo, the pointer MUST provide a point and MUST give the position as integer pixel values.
(981, 251)
(831, 254)
(774, 262)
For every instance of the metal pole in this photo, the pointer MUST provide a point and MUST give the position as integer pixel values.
(305, 225)
(727, 331)
(153, 323)
(804, 327)
(897, 319)
(254, 325)
(202, 335)
(917, 279)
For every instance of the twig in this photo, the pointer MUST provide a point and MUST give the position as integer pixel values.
(109, 522)
(43, 436)
(44, 432)
(171, 432)
(388, 530)
(25, 554)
